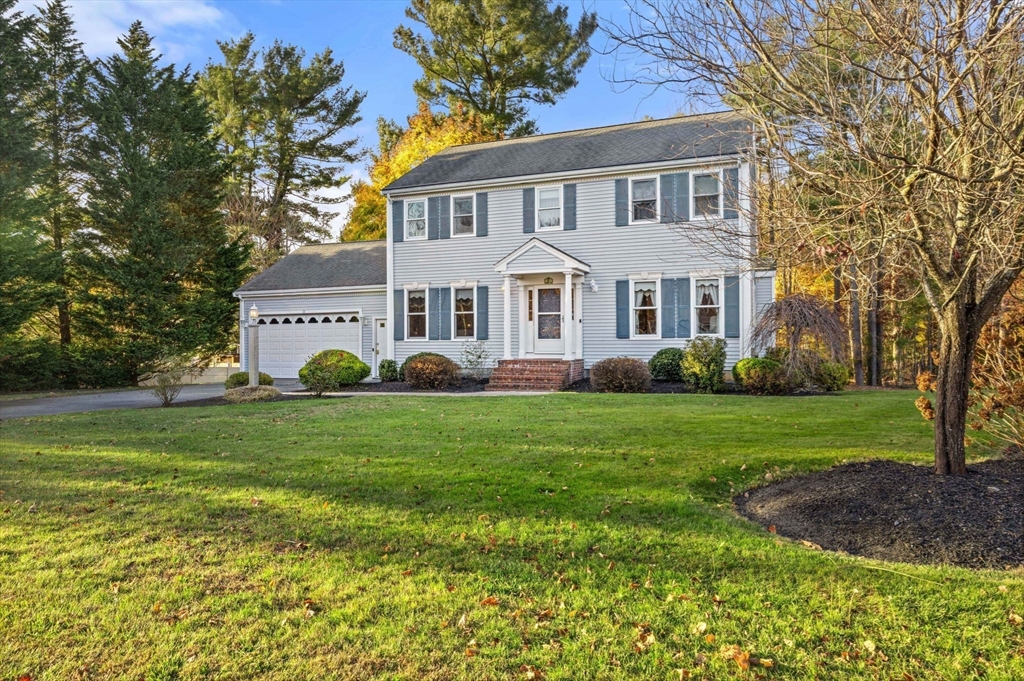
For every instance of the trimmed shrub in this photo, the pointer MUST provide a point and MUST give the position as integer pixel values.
(411, 358)
(620, 375)
(666, 364)
(703, 365)
(259, 393)
(240, 379)
(430, 371)
(831, 376)
(387, 369)
(331, 369)
(762, 376)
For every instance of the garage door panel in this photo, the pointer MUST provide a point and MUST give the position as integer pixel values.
(284, 348)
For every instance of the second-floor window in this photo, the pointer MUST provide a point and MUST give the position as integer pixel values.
(645, 200)
(462, 215)
(706, 195)
(464, 315)
(417, 321)
(549, 208)
(416, 220)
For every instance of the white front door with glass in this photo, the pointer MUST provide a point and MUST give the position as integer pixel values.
(545, 320)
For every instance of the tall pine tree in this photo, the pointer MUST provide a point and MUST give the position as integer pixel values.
(24, 266)
(160, 267)
(58, 106)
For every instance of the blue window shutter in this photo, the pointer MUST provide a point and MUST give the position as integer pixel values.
(682, 197)
(482, 314)
(398, 220)
(622, 204)
(622, 308)
(569, 206)
(668, 308)
(433, 217)
(446, 216)
(445, 313)
(731, 194)
(732, 307)
(668, 202)
(481, 214)
(434, 314)
(399, 321)
(683, 307)
(528, 213)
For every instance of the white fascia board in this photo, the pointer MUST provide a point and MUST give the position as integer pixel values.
(283, 293)
(587, 173)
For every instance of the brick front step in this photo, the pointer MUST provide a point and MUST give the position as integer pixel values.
(535, 374)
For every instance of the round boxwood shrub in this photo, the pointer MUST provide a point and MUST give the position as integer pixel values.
(331, 369)
(831, 376)
(666, 364)
(703, 365)
(240, 379)
(620, 375)
(762, 376)
(411, 358)
(430, 371)
(387, 370)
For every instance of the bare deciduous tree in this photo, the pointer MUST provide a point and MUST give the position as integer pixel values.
(907, 117)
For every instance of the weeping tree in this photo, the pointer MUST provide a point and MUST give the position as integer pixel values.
(909, 115)
(804, 322)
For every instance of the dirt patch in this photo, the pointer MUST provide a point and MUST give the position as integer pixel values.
(900, 512)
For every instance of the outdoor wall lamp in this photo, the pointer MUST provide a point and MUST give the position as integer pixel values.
(593, 286)
(254, 314)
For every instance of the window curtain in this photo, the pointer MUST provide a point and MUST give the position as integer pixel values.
(707, 294)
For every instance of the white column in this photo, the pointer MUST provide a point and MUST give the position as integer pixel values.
(523, 316)
(568, 339)
(579, 320)
(506, 291)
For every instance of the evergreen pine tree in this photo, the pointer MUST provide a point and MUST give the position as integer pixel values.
(58, 106)
(24, 268)
(160, 268)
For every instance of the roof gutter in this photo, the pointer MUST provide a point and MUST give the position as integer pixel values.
(280, 293)
(570, 174)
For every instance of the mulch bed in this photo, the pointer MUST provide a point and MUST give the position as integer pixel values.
(468, 385)
(901, 512)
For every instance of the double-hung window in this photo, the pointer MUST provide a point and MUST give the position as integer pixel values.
(707, 198)
(645, 308)
(708, 307)
(462, 215)
(549, 208)
(465, 315)
(416, 220)
(417, 315)
(644, 200)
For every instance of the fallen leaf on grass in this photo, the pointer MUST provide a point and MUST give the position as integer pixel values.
(810, 545)
(771, 528)
(737, 654)
(471, 649)
(1015, 619)
(700, 627)
(644, 638)
(490, 600)
(531, 673)
(406, 573)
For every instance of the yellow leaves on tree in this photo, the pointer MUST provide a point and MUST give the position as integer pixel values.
(400, 151)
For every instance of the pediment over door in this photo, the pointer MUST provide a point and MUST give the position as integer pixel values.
(539, 257)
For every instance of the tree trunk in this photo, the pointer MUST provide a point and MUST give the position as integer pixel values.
(956, 354)
(875, 358)
(855, 332)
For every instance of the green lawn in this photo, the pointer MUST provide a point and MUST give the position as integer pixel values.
(584, 536)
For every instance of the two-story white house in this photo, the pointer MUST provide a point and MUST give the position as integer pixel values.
(556, 250)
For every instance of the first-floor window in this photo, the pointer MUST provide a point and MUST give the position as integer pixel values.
(417, 314)
(415, 219)
(464, 326)
(707, 306)
(645, 309)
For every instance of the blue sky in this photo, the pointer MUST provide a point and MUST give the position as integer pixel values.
(360, 34)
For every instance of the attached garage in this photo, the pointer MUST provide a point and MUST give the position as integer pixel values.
(319, 297)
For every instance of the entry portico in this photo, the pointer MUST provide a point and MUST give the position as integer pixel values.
(550, 289)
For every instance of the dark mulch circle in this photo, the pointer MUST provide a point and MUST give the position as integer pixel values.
(900, 512)
(467, 385)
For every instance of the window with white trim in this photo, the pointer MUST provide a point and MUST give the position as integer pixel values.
(549, 208)
(708, 306)
(707, 199)
(645, 308)
(644, 200)
(416, 220)
(465, 313)
(462, 215)
(416, 317)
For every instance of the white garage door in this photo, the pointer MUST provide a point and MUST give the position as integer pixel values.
(288, 341)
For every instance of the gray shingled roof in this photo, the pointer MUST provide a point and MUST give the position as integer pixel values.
(352, 263)
(669, 139)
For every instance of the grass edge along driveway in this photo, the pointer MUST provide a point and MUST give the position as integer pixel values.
(561, 537)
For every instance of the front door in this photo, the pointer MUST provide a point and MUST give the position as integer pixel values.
(380, 335)
(547, 315)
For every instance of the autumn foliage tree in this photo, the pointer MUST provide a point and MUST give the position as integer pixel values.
(401, 149)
